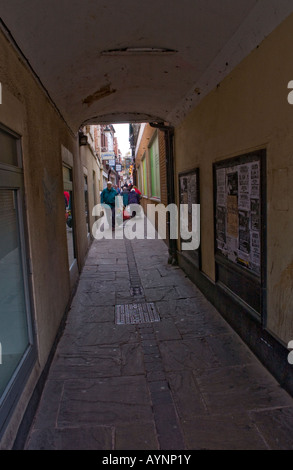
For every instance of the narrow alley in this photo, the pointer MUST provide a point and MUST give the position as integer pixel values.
(146, 362)
(177, 342)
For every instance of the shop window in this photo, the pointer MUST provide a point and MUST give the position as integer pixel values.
(155, 168)
(240, 227)
(17, 346)
(86, 199)
(69, 213)
(144, 177)
(139, 173)
(9, 149)
(94, 188)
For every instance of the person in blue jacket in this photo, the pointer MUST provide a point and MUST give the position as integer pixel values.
(108, 197)
(125, 193)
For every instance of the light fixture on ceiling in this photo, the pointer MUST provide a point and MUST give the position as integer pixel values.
(139, 51)
(82, 138)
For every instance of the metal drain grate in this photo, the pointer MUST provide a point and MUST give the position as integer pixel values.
(131, 314)
(136, 291)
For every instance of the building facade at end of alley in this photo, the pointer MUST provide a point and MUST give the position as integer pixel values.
(232, 154)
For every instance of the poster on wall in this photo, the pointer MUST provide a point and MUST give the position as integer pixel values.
(189, 194)
(238, 213)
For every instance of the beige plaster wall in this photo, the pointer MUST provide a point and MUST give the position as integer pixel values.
(27, 110)
(247, 111)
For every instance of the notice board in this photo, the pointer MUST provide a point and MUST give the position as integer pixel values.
(239, 229)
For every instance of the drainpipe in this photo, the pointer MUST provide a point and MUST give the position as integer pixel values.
(132, 144)
(169, 145)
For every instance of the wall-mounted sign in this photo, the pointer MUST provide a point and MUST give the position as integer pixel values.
(118, 167)
(107, 155)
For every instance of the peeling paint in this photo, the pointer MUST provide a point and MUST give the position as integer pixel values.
(99, 94)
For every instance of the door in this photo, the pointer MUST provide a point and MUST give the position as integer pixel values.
(16, 328)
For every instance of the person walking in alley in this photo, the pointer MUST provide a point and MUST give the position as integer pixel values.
(133, 198)
(108, 197)
(125, 194)
(118, 189)
(137, 190)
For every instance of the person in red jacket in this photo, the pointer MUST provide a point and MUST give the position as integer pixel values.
(136, 190)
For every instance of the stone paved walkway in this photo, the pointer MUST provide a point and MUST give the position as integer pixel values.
(186, 382)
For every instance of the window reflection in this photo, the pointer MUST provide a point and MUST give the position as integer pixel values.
(69, 216)
(14, 336)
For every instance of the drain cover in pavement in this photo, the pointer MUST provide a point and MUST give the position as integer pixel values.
(136, 291)
(131, 314)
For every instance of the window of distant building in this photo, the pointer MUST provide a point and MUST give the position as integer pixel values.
(155, 168)
(144, 176)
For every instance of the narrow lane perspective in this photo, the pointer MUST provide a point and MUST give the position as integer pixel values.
(147, 363)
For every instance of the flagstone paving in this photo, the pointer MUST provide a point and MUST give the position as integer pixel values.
(185, 382)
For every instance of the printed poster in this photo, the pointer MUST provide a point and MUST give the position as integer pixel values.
(244, 232)
(221, 187)
(189, 192)
(255, 180)
(255, 214)
(184, 190)
(244, 187)
(232, 248)
(232, 182)
(232, 216)
(255, 252)
(238, 214)
(221, 228)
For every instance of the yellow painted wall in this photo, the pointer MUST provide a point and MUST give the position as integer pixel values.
(247, 111)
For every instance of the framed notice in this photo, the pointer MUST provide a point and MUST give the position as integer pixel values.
(239, 225)
(189, 193)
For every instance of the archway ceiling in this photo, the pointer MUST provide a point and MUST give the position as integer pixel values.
(121, 61)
